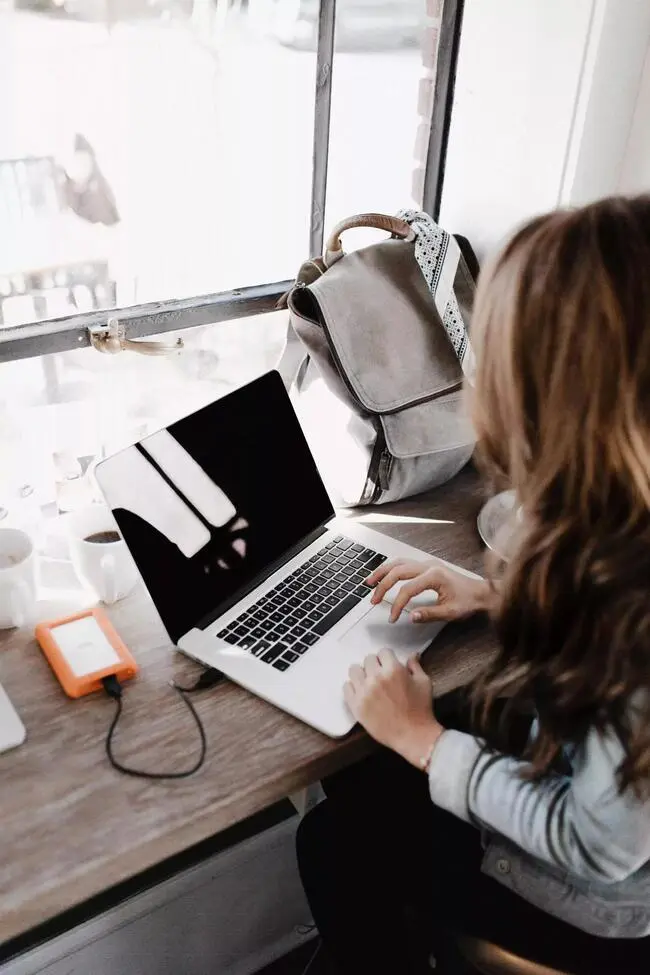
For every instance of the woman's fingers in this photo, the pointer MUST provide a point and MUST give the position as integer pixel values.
(356, 675)
(377, 579)
(415, 668)
(424, 582)
(372, 665)
(350, 696)
(383, 570)
(441, 611)
(388, 660)
(399, 571)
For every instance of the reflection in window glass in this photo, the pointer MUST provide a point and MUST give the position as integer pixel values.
(156, 149)
(149, 149)
(61, 413)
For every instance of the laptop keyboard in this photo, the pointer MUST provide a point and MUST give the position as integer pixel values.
(291, 618)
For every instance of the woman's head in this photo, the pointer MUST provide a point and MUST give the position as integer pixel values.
(562, 325)
(562, 411)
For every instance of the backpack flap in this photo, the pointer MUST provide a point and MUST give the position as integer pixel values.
(383, 329)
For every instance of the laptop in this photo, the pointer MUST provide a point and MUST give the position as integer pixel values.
(236, 539)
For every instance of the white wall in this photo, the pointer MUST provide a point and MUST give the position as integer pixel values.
(635, 172)
(545, 97)
(605, 111)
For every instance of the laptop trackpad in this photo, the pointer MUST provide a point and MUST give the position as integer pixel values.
(373, 632)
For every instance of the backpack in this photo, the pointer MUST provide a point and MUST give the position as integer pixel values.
(377, 349)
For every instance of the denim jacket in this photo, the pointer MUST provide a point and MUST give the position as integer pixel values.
(570, 845)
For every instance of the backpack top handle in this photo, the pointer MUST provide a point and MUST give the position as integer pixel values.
(395, 226)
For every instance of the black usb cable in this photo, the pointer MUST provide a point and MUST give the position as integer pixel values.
(209, 678)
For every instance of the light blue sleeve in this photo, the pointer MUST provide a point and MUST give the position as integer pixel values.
(579, 823)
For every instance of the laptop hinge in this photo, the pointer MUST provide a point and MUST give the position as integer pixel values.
(261, 577)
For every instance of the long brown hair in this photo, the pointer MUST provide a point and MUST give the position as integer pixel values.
(562, 410)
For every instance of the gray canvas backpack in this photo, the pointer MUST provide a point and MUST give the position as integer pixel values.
(377, 349)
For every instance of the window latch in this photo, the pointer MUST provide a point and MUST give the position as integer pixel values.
(111, 339)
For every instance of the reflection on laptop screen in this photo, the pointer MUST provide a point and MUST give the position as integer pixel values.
(210, 503)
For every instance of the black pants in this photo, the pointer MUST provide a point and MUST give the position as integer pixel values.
(378, 846)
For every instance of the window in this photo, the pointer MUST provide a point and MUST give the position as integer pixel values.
(175, 161)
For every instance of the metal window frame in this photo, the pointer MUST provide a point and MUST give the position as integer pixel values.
(443, 100)
(153, 318)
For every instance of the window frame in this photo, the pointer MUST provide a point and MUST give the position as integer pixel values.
(154, 318)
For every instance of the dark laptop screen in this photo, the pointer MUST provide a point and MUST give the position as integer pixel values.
(213, 501)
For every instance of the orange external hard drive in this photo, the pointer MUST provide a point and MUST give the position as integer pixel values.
(84, 649)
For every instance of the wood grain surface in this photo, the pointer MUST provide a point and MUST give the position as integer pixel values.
(70, 826)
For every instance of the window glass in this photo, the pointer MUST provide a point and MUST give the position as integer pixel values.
(61, 413)
(149, 149)
(157, 149)
(374, 121)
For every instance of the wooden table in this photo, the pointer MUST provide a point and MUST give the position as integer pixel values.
(71, 827)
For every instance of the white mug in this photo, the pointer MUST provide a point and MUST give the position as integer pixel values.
(104, 566)
(17, 578)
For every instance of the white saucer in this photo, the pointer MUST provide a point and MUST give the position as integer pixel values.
(495, 522)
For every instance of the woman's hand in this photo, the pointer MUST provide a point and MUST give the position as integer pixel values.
(394, 704)
(458, 595)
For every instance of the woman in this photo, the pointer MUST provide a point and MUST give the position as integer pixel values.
(545, 852)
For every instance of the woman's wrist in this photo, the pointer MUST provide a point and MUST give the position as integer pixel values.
(483, 597)
(418, 743)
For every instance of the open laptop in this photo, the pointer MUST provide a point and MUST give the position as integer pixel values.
(236, 539)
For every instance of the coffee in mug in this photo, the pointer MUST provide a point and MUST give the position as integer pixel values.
(99, 554)
(103, 538)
